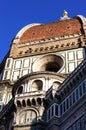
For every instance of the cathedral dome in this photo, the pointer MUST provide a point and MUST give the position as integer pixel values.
(35, 32)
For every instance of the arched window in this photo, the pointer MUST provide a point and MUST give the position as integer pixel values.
(37, 85)
(27, 116)
(28, 102)
(39, 101)
(23, 103)
(31, 116)
(18, 103)
(20, 90)
(33, 102)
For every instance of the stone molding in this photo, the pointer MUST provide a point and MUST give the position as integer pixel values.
(49, 45)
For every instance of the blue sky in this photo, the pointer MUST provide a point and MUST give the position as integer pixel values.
(15, 14)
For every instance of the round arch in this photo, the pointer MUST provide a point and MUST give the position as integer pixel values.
(52, 63)
(37, 85)
(28, 116)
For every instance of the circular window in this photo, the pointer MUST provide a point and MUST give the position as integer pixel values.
(52, 63)
(50, 66)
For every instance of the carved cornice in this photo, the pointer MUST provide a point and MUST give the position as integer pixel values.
(49, 45)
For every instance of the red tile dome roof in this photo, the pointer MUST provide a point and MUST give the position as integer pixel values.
(51, 30)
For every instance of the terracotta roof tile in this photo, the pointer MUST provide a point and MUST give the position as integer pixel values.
(51, 30)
